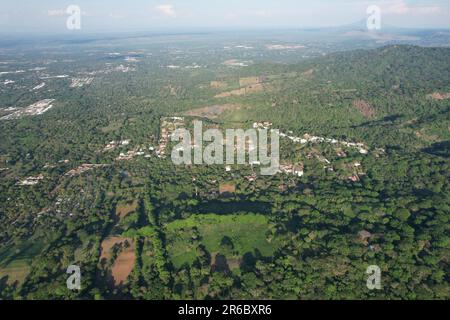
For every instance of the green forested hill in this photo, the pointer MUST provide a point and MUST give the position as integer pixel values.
(408, 69)
(395, 82)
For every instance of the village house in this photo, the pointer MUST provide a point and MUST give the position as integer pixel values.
(291, 169)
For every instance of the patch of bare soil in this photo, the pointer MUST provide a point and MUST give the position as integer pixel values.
(248, 81)
(365, 108)
(211, 112)
(218, 84)
(259, 87)
(308, 72)
(227, 188)
(427, 137)
(123, 265)
(439, 96)
(109, 243)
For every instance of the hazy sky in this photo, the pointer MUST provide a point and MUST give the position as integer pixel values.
(142, 15)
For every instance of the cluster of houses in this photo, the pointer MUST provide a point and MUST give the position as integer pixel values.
(307, 138)
(124, 69)
(35, 109)
(130, 154)
(298, 170)
(114, 144)
(125, 156)
(357, 172)
(31, 181)
(170, 124)
(262, 125)
(293, 169)
(284, 47)
(51, 166)
(80, 82)
(83, 168)
(168, 127)
(252, 177)
(314, 139)
(237, 63)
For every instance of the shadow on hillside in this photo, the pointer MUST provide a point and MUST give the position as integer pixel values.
(441, 149)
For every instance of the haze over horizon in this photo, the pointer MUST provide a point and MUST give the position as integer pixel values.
(49, 16)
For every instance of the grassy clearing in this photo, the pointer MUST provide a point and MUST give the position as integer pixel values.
(25, 251)
(15, 261)
(16, 271)
(247, 232)
(124, 209)
(112, 127)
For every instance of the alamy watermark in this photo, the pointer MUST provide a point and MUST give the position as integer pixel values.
(374, 19)
(208, 147)
(73, 22)
(74, 280)
(374, 279)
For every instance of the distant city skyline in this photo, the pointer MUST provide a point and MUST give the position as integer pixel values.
(49, 16)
